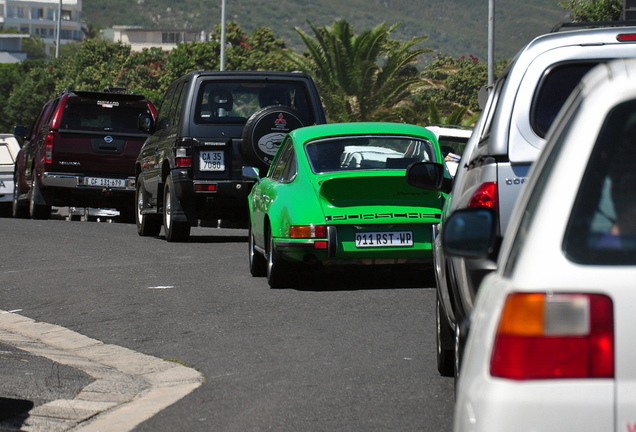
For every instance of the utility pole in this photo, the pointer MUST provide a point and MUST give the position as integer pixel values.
(222, 68)
(491, 42)
(59, 30)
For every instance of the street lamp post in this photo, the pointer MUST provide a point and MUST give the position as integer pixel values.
(59, 30)
(491, 42)
(222, 67)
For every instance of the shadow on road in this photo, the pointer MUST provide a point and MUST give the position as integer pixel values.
(13, 412)
(353, 278)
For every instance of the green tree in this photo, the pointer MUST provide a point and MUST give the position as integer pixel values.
(360, 77)
(10, 76)
(95, 66)
(258, 51)
(34, 47)
(38, 82)
(141, 73)
(593, 10)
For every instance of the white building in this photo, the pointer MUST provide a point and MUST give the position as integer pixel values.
(139, 38)
(11, 48)
(40, 17)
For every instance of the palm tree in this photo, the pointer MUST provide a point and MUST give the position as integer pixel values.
(360, 76)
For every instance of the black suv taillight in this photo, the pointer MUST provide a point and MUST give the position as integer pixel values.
(183, 153)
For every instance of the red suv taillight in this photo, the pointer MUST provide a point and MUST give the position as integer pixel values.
(48, 149)
(554, 336)
(484, 196)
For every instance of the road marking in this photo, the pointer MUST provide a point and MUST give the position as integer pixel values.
(161, 287)
(129, 387)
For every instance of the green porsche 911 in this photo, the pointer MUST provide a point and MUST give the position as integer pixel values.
(338, 194)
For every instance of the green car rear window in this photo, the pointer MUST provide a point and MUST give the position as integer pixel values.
(368, 153)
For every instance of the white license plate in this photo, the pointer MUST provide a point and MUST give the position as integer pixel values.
(211, 161)
(384, 239)
(104, 182)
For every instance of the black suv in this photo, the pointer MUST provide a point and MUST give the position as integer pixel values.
(81, 152)
(209, 125)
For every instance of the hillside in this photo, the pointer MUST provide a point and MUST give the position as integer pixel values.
(456, 27)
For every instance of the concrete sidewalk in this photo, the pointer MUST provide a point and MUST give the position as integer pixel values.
(57, 380)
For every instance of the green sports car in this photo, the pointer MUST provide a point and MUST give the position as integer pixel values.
(338, 194)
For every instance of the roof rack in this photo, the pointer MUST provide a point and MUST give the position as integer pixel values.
(592, 24)
(120, 90)
(450, 126)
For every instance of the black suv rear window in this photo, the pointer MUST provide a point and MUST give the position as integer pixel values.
(235, 102)
(552, 92)
(103, 115)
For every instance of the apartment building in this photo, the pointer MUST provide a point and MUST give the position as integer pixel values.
(41, 17)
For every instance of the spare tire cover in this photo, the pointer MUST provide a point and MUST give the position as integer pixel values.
(265, 130)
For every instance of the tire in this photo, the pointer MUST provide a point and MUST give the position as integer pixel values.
(175, 231)
(257, 262)
(127, 213)
(278, 270)
(87, 215)
(18, 209)
(37, 211)
(5, 209)
(445, 343)
(148, 225)
(264, 131)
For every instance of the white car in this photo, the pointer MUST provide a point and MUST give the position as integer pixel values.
(551, 340)
(452, 140)
(9, 149)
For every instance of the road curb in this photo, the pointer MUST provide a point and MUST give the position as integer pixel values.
(128, 387)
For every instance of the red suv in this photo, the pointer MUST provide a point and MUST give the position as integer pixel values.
(81, 152)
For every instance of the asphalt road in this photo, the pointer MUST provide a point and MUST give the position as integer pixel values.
(345, 350)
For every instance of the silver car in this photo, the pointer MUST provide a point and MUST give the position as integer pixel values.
(551, 335)
(507, 139)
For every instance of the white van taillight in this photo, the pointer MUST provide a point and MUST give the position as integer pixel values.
(554, 336)
(48, 149)
(626, 37)
(484, 196)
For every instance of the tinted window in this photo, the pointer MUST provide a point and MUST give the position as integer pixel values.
(284, 162)
(235, 102)
(90, 114)
(552, 92)
(602, 227)
(368, 152)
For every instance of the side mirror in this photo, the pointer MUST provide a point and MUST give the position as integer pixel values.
(428, 175)
(251, 173)
(470, 233)
(145, 123)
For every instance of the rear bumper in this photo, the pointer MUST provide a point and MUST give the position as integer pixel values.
(81, 181)
(332, 250)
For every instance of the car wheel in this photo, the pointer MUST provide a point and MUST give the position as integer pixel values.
(37, 211)
(18, 209)
(445, 343)
(175, 231)
(5, 209)
(277, 268)
(257, 262)
(148, 225)
(87, 215)
(264, 131)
